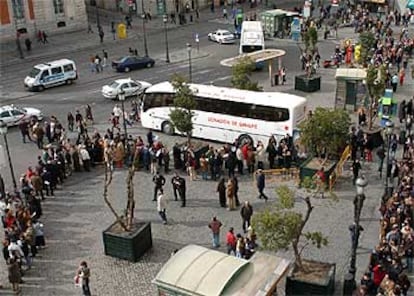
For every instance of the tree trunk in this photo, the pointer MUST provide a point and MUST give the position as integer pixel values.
(370, 113)
(108, 180)
(131, 194)
(295, 242)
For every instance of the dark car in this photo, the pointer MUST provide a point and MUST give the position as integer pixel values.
(129, 63)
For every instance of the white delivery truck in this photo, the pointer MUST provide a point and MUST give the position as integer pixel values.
(251, 37)
(51, 74)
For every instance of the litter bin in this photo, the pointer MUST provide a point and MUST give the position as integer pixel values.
(276, 81)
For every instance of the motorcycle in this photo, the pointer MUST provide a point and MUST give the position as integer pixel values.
(334, 62)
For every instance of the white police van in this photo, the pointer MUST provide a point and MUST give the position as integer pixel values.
(51, 74)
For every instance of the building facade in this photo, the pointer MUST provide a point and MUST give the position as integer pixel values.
(155, 7)
(26, 17)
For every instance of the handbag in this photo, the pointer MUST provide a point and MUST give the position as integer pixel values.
(77, 281)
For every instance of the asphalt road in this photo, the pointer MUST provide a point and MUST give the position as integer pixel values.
(87, 90)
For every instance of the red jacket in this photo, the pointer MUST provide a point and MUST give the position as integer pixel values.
(379, 275)
(231, 239)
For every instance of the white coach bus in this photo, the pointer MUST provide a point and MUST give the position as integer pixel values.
(224, 114)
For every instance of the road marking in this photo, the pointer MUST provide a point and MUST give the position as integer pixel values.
(220, 79)
(94, 91)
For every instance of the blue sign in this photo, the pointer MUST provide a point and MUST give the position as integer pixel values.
(295, 29)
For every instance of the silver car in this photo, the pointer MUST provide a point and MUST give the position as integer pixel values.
(12, 115)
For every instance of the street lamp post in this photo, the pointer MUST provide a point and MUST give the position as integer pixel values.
(355, 229)
(389, 129)
(165, 20)
(190, 74)
(3, 131)
(121, 97)
(144, 30)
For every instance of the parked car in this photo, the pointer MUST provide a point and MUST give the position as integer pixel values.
(222, 37)
(129, 63)
(12, 115)
(129, 86)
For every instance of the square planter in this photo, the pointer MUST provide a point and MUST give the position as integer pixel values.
(129, 246)
(310, 166)
(307, 84)
(323, 283)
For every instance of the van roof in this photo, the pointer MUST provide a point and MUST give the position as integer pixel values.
(54, 63)
(252, 26)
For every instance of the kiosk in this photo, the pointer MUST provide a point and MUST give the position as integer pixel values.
(198, 271)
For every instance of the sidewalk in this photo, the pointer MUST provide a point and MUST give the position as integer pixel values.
(81, 40)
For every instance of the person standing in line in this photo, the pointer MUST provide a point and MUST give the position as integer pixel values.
(246, 213)
(236, 190)
(215, 226)
(261, 184)
(162, 206)
(15, 277)
(221, 189)
(159, 182)
(175, 181)
(231, 241)
(84, 274)
(230, 195)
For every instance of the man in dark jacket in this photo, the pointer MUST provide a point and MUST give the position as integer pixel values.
(159, 182)
(246, 213)
(260, 183)
(24, 129)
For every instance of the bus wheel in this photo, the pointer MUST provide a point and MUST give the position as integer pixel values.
(243, 139)
(167, 128)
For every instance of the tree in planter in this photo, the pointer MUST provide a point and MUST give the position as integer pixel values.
(182, 114)
(326, 131)
(367, 42)
(125, 220)
(241, 75)
(375, 82)
(310, 39)
(281, 226)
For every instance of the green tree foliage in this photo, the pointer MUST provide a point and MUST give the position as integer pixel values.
(325, 129)
(367, 41)
(310, 38)
(241, 75)
(376, 87)
(181, 115)
(281, 226)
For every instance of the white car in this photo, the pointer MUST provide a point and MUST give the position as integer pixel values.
(12, 115)
(222, 37)
(129, 86)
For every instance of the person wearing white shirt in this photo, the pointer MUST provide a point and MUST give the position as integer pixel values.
(162, 206)
(15, 249)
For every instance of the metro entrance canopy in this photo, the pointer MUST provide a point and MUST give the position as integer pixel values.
(259, 56)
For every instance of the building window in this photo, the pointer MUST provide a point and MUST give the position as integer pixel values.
(58, 4)
(18, 9)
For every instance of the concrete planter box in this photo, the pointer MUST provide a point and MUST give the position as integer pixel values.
(307, 84)
(324, 285)
(129, 246)
(310, 166)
